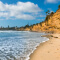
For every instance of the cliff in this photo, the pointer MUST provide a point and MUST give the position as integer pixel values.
(51, 24)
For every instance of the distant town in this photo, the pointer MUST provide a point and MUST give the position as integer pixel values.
(13, 28)
(9, 28)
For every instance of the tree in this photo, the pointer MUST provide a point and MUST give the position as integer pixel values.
(47, 12)
(59, 6)
(52, 12)
(27, 25)
(41, 24)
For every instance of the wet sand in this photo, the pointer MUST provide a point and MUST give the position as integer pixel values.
(49, 50)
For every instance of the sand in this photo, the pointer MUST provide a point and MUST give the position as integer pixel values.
(50, 50)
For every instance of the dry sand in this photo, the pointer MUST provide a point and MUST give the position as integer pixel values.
(49, 50)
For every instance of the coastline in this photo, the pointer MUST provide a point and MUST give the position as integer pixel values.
(28, 57)
(48, 50)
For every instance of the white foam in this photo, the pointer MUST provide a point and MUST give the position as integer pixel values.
(35, 49)
(19, 43)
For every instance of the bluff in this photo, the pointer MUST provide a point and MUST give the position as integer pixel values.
(51, 24)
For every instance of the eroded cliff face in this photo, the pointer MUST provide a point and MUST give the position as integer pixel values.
(51, 23)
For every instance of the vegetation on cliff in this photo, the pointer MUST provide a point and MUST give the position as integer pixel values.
(51, 23)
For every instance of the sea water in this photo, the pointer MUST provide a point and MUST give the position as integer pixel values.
(18, 45)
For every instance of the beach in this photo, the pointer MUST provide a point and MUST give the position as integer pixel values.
(49, 50)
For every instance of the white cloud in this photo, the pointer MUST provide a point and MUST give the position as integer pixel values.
(51, 1)
(42, 15)
(21, 10)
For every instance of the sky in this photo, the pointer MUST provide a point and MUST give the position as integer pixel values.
(22, 12)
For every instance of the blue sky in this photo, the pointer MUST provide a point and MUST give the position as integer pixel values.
(22, 12)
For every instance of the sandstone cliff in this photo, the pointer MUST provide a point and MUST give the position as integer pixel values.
(51, 24)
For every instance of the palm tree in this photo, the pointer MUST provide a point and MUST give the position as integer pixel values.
(47, 12)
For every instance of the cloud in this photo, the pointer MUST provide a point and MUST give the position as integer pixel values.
(42, 15)
(20, 10)
(51, 1)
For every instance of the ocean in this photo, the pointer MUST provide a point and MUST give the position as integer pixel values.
(18, 45)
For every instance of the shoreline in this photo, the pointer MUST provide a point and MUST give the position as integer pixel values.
(42, 51)
(37, 47)
(28, 57)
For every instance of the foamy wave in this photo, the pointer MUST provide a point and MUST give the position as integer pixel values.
(16, 45)
(35, 49)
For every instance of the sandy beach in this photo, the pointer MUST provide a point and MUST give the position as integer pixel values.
(50, 50)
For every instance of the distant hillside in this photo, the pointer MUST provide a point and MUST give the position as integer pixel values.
(51, 24)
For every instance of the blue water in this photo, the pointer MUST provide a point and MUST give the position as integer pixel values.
(18, 45)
